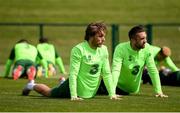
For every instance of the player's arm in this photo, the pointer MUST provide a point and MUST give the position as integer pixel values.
(75, 61)
(116, 66)
(44, 63)
(107, 77)
(59, 62)
(169, 63)
(154, 75)
(9, 62)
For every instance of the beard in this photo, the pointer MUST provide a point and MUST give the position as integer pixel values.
(140, 46)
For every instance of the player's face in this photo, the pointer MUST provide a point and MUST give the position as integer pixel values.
(98, 39)
(140, 40)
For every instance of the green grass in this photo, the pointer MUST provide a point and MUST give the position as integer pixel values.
(83, 11)
(86, 11)
(64, 38)
(11, 100)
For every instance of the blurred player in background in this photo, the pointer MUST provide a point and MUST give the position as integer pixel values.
(23, 55)
(48, 58)
(168, 71)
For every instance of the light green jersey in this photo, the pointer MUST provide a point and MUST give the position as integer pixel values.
(86, 66)
(49, 54)
(167, 61)
(21, 51)
(47, 51)
(128, 66)
(25, 51)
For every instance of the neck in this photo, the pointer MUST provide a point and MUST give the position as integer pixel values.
(134, 47)
(91, 45)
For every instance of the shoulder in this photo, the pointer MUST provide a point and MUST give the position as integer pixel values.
(32, 46)
(78, 48)
(147, 50)
(122, 46)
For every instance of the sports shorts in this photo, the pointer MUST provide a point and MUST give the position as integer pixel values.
(61, 91)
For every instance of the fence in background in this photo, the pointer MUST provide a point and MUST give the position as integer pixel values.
(115, 28)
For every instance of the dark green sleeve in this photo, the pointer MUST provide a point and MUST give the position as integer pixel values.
(9, 62)
(12, 54)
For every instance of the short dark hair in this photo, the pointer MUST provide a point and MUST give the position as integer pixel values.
(94, 28)
(22, 40)
(43, 40)
(136, 29)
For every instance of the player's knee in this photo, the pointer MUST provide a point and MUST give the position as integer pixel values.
(42, 89)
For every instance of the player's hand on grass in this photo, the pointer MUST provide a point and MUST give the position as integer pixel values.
(75, 98)
(161, 95)
(116, 97)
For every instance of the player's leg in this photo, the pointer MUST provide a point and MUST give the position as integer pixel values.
(121, 92)
(145, 77)
(39, 88)
(31, 72)
(102, 89)
(61, 91)
(17, 70)
(172, 79)
(42, 89)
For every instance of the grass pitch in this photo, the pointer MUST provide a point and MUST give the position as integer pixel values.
(12, 101)
(64, 38)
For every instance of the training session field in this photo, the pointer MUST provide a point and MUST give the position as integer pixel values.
(125, 13)
(11, 100)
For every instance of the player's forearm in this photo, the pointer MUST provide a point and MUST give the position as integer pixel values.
(154, 75)
(8, 67)
(170, 64)
(60, 64)
(73, 86)
(109, 85)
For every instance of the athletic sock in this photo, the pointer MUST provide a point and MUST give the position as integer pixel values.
(31, 73)
(17, 72)
(30, 85)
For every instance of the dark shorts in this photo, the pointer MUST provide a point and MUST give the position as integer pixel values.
(26, 64)
(173, 79)
(103, 91)
(61, 91)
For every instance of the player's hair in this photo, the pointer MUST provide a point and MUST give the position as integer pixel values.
(94, 28)
(136, 29)
(22, 40)
(43, 40)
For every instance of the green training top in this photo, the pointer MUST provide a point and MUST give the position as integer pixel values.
(25, 51)
(128, 66)
(167, 61)
(21, 51)
(48, 53)
(86, 66)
